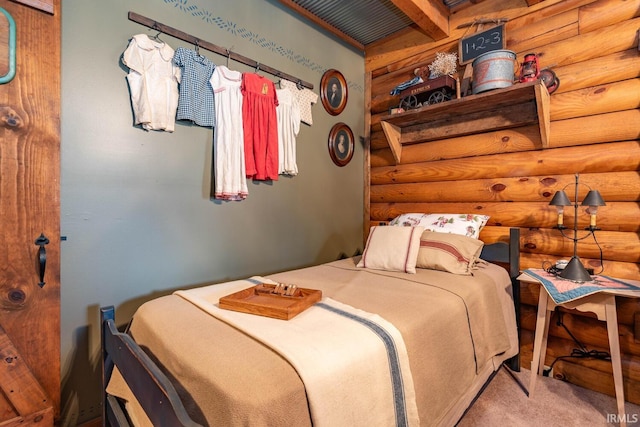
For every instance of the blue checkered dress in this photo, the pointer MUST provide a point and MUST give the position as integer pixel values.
(196, 94)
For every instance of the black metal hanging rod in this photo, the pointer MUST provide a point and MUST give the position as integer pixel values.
(165, 29)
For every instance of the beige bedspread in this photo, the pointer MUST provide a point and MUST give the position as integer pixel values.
(334, 348)
(457, 330)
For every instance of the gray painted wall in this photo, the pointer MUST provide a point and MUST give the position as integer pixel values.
(135, 206)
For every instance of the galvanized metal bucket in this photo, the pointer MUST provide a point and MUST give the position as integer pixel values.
(493, 70)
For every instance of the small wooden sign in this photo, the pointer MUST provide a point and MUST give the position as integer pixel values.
(470, 47)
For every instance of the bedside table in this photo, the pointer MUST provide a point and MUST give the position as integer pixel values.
(603, 304)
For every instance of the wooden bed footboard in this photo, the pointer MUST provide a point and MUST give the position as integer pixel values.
(149, 384)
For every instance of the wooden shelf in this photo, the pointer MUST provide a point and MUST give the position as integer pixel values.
(519, 105)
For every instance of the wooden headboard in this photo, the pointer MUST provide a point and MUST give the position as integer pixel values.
(508, 256)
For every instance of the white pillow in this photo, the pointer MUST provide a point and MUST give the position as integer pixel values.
(392, 248)
(464, 224)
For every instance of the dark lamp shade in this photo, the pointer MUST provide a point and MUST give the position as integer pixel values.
(593, 199)
(576, 272)
(560, 199)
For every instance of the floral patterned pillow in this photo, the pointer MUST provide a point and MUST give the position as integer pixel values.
(464, 224)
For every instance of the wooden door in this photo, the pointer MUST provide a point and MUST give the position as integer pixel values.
(29, 209)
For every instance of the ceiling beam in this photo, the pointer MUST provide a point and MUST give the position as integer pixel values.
(432, 16)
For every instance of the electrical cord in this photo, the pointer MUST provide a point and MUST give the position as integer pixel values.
(576, 353)
(581, 352)
(551, 268)
(555, 271)
(601, 256)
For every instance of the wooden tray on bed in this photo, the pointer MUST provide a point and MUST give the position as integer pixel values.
(262, 300)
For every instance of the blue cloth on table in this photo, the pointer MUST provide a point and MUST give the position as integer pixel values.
(562, 290)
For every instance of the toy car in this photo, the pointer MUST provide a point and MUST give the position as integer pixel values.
(430, 92)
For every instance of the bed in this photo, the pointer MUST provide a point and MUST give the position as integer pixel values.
(189, 367)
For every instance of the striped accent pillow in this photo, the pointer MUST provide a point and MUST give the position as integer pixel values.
(392, 248)
(448, 252)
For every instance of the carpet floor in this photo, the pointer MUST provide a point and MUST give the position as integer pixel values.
(554, 403)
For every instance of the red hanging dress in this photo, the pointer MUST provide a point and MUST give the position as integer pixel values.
(260, 127)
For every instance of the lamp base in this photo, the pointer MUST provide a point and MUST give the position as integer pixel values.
(576, 272)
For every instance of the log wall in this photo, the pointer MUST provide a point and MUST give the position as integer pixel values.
(592, 46)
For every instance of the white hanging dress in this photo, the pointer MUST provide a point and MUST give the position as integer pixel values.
(228, 136)
(153, 83)
(288, 113)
